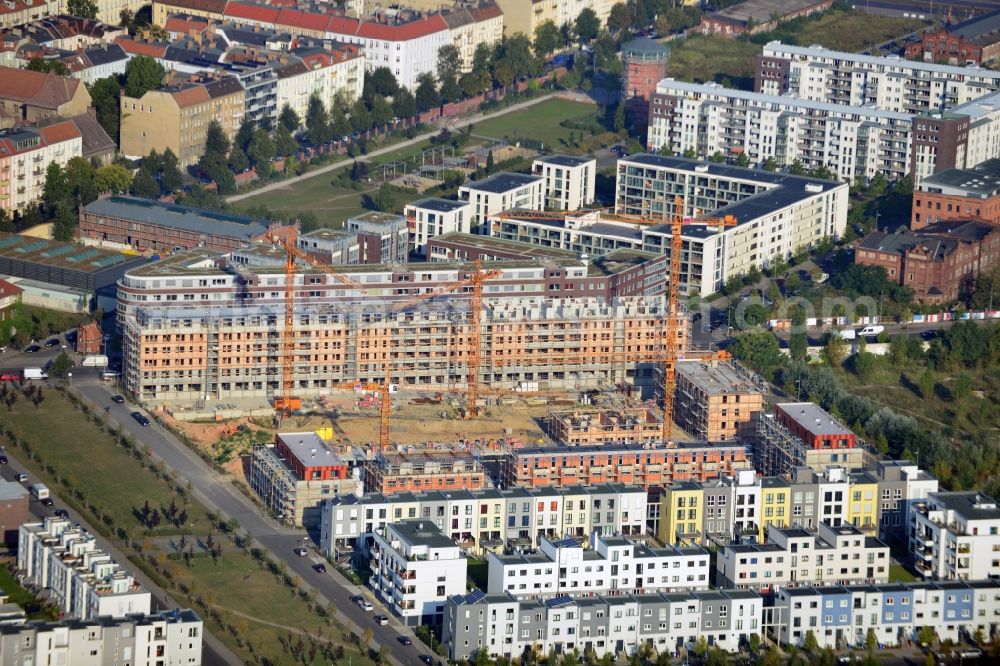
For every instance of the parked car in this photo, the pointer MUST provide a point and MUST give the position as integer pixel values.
(9, 377)
(22, 477)
(52, 342)
(320, 568)
(141, 418)
(365, 604)
(427, 659)
(48, 501)
(32, 349)
(381, 620)
(119, 399)
(406, 640)
(60, 513)
(3, 460)
(301, 552)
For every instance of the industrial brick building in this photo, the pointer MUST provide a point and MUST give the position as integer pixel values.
(939, 262)
(717, 400)
(755, 16)
(591, 427)
(803, 434)
(147, 225)
(973, 41)
(214, 332)
(297, 473)
(421, 471)
(958, 194)
(633, 464)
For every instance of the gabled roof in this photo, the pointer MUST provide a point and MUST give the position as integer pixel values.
(19, 6)
(102, 55)
(7, 289)
(252, 12)
(59, 132)
(208, 6)
(486, 10)
(300, 19)
(136, 47)
(185, 25)
(35, 88)
(404, 31)
(190, 96)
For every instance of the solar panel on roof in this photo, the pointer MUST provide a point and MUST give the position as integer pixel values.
(31, 247)
(109, 260)
(56, 251)
(559, 601)
(475, 596)
(11, 240)
(86, 254)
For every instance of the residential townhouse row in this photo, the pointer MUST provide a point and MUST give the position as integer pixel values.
(838, 617)
(404, 40)
(78, 577)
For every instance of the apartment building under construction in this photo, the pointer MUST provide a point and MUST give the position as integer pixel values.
(717, 400)
(589, 427)
(423, 471)
(202, 326)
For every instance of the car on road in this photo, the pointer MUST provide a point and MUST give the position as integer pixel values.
(366, 605)
(427, 659)
(52, 342)
(60, 513)
(118, 399)
(3, 460)
(22, 477)
(970, 653)
(32, 349)
(141, 418)
(301, 551)
(405, 640)
(320, 568)
(381, 620)
(9, 377)
(928, 335)
(47, 501)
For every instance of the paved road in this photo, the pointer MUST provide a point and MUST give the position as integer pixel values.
(217, 493)
(452, 125)
(214, 652)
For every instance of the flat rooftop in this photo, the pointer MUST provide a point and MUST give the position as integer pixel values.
(813, 418)
(376, 218)
(565, 160)
(10, 490)
(762, 10)
(56, 254)
(421, 533)
(309, 449)
(490, 244)
(198, 220)
(719, 377)
(970, 504)
(438, 204)
(502, 182)
(982, 180)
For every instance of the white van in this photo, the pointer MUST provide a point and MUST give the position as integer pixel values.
(871, 330)
(846, 334)
(35, 373)
(98, 361)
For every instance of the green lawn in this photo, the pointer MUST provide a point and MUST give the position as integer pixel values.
(899, 574)
(539, 122)
(703, 58)
(20, 596)
(331, 204)
(63, 457)
(845, 30)
(237, 596)
(478, 572)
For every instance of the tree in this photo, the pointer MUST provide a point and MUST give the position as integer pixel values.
(834, 349)
(926, 636)
(171, 178)
(383, 81)
(361, 119)
(482, 58)
(620, 18)
(381, 112)
(261, 152)
(82, 8)
(871, 641)
(64, 225)
(284, 142)
(586, 25)
(238, 162)
(926, 384)
(450, 91)
(105, 94)
(962, 387)
(809, 643)
(80, 178)
(620, 117)
(142, 74)
(759, 349)
(385, 198)
(449, 63)
(426, 96)
(515, 52)
(61, 365)
(864, 364)
(797, 168)
(339, 125)
(404, 104)
(112, 178)
(317, 121)
(770, 164)
(490, 166)
(47, 66)
(143, 185)
(717, 157)
(742, 160)
(216, 143)
(288, 118)
(244, 135)
(798, 342)
(359, 171)
(547, 39)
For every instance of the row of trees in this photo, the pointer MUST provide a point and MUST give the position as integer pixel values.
(77, 184)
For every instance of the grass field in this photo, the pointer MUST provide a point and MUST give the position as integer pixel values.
(845, 31)
(331, 204)
(540, 122)
(899, 574)
(242, 601)
(26, 600)
(703, 58)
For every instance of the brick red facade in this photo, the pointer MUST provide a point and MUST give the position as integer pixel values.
(817, 436)
(336, 469)
(943, 47)
(931, 208)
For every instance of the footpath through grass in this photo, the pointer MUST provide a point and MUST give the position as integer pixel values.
(246, 599)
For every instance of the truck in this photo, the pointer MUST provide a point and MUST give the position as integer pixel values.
(97, 361)
(35, 373)
(871, 330)
(39, 490)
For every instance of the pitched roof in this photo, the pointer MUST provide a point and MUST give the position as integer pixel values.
(208, 6)
(95, 140)
(185, 25)
(102, 55)
(246, 10)
(137, 47)
(300, 19)
(59, 132)
(35, 88)
(19, 6)
(486, 10)
(7, 289)
(404, 31)
(228, 85)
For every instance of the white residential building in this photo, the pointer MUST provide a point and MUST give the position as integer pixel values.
(495, 518)
(793, 556)
(434, 216)
(328, 73)
(610, 566)
(569, 180)
(415, 568)
(841, 617)
(902, 484)
(956, 536)
(851, 141)
(169, 637)
(25, 156)
(503, 191)
(502, 625)
(889, 82)
(77, 575)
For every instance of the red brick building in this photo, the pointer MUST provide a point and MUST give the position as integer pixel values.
(89, 339)
(941, 46)
(756, 16)
(814, 426)
(958, 194)
(939, 263)
(10, 295)
(309, 458)
(14, 500)
(645, 63)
